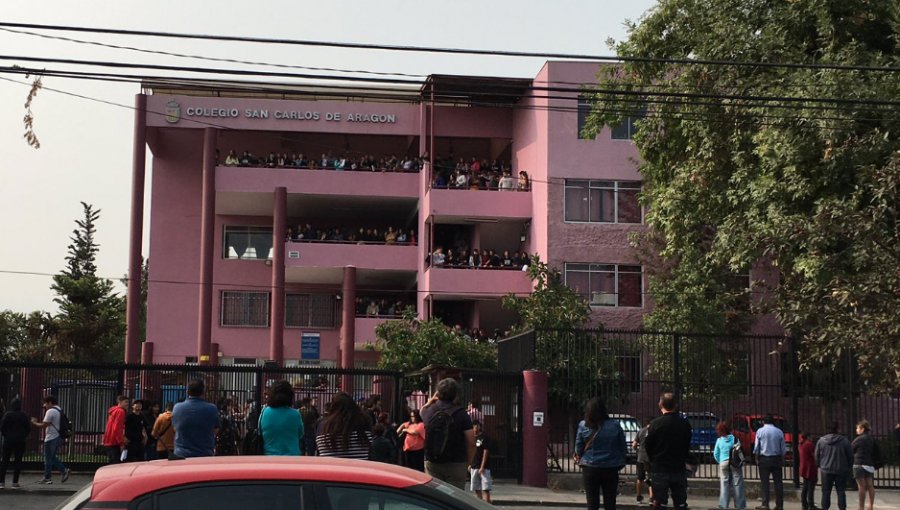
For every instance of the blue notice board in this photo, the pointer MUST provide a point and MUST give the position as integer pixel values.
(309, 345)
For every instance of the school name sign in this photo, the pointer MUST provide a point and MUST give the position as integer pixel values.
(174, 113)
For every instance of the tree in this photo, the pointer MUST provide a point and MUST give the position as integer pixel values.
(551, 305)
(91, 316)
(26, 337)
(792, 168)
(411, 344)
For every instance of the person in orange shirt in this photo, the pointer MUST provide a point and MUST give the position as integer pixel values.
(164, 433)
(413, 434)
(114, 435)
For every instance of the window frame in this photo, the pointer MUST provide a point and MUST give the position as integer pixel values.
(310, 323)
(248, 230)
(617, 188)
(247, 294)
(595, 268)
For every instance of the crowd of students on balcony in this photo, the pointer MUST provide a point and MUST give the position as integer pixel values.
(309, 234)
(367, 163)
(487, 259)
(478, 174)
(381, 307)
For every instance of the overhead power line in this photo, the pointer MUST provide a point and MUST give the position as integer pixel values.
(463, 51)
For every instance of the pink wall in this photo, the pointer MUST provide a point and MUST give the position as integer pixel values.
(530, 152)
(319, 182)
(478, 282)
(396, 258)
(479, 204)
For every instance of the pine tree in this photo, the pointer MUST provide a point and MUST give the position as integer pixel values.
(91, 316)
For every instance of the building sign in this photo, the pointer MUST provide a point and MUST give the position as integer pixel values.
(309, 345)
(175, 112)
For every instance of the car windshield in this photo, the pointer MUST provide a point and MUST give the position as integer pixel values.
(702, 422)
(628, 424)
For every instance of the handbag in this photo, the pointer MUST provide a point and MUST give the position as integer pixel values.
(253, 441)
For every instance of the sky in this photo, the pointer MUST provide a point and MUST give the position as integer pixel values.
(86, 142)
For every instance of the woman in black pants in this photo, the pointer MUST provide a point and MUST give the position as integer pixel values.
(14, 427)
(600, 451)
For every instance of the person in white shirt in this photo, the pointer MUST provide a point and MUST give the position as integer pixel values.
(52, 440)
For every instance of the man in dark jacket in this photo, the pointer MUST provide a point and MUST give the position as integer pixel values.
(451, 465)
(14, 428)
(668, 444)
(834, 457)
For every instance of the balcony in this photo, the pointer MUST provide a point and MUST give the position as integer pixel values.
(480, 204)
(365, 329)
(477, 282)
(363, 256)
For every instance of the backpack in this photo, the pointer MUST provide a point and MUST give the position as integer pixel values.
(65, 426)
(736, 457)
(437, 434)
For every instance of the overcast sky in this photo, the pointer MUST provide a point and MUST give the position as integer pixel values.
(86, 145)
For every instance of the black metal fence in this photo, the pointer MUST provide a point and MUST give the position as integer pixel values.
(738, 379)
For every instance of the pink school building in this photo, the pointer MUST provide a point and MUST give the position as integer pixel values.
(287, 223)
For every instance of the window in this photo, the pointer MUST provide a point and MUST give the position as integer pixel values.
(247, 243)
(584, 109)
(607, 284)
(355, 498)
(232, 496)
(245, 309)
(627, 128)
(310, 311)
(602, 201)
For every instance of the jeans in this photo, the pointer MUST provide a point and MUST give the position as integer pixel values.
(808, 494)
(597, 479)
(14, 450)
(839, 482)
(731, 485)
(51, 461)
(662, 483)
(771, 466)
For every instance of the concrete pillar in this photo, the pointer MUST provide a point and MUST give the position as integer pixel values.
(136, 235)
(147, 353)
(348, 326)
(279, 221)
(207, 235)
(534, 437)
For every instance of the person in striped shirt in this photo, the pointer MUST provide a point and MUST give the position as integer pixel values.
(346, 431)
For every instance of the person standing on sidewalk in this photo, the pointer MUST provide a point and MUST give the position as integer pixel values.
(834, 456)
(643, 463)
(864, 463)
(449, 439)
(52, 440)
(195, 421)
(808, 472)
(485, 447)
(164, 433)
(731, 478)
(769, 449)
(14, 428)
(668, 446)
(114, 434)
(600, 451)
(135, 433)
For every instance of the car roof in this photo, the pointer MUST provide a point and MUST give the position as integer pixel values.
(124, 482)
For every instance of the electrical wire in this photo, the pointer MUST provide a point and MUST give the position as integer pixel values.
(456, 51)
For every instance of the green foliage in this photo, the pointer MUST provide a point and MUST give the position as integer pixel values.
(90, 322)
(26, 337)
(807, 186)
(551, 304)
(410, 344)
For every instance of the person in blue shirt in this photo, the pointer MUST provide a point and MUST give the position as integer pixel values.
(195, 421)
(769, 449)
(280, 423)
(731, 479)
(600, 451)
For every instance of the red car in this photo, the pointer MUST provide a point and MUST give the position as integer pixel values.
(745, 426)
(267, 483)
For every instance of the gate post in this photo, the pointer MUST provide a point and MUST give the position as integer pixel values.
(534, 430)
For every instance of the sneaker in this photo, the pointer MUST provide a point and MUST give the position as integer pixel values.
(16, 486)
(2, 486)
(65, 475)
(639, 498)
(45, 481)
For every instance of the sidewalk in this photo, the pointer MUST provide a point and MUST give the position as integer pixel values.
(509, 493)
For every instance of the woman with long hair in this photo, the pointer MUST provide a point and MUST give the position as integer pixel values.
(600, 451)
(281, 425)
(731, 478)
(864, 464)
(413, 434)
(346, 431)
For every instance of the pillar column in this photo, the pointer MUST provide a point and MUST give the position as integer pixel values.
(207, 227)
(136, 235)
(534, 435)
(279, 220)
(348, 326)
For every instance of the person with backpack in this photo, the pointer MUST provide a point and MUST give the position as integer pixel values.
(14, 428)
(866, 458)
(727, 453)
(53, 439)
(449, 438)
(164, 433)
